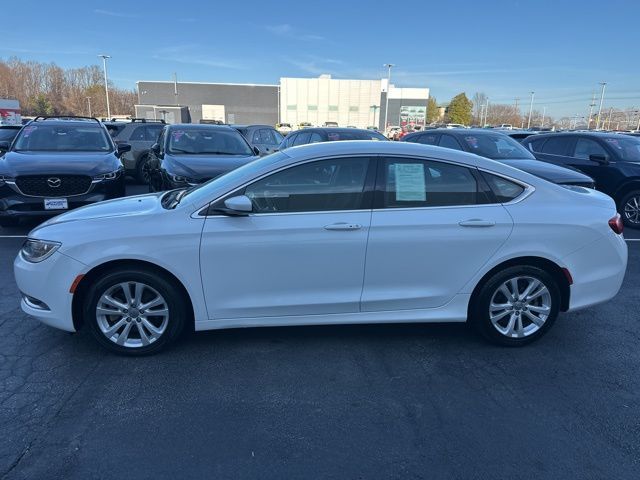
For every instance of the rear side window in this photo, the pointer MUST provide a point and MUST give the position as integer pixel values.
(425, 139)
(556, 146)
(138, 134)
(426, 183)
(447, 141)
(504, 190)
(535, 145)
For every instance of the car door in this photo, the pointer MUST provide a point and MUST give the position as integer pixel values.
(432, 229)
(302, 249)
(608, 178)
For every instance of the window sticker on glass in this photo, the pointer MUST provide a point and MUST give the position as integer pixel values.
(177, 135)
(472, 141)
(333, 137)
(28, 130)
(410, 185)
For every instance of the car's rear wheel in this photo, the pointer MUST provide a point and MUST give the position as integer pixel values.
(516, 306)
(134, 312)
(630, 209)
(143, 169)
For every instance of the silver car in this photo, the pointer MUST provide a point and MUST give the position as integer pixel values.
(264, 137)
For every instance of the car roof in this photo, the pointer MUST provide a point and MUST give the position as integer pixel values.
(202, 126)
(253, 125)
(544, 135)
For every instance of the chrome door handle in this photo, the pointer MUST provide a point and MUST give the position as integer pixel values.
(476, 222)
(343, 226)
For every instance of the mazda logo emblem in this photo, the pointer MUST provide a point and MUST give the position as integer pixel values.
(54, 182)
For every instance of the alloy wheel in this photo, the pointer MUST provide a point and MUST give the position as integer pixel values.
(632, 210)
(132, 314)
(520, 306)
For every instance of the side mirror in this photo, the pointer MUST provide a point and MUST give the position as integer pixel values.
(257, 151)
(238, 206)
(123, 148)
(4, 146)
(598, 158)
(155, 148)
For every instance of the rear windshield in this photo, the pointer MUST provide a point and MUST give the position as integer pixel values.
(214, 141)
(8, 134)
(496, 146)
(628, 148)
(63, 138)
(333, 136)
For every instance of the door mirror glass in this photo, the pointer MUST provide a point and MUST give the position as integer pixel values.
(240, 203)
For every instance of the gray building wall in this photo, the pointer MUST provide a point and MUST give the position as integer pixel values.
(394, 108)
(244, 103)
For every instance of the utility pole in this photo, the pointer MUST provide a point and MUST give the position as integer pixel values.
(516, 108)
(530, 110)
(106, 82)
(486, 112)
(175, 87)
(89, 102)
(544, 112)
(609, 119)
(386, 108)
(603, 84)
(591, 105)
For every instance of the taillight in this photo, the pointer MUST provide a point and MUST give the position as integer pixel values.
(616, 224)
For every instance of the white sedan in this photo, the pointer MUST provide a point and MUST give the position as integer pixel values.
(331, 233)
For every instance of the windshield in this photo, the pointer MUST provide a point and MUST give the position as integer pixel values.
(63, 138)
(628, 148)
(496, 146)
(212, 141)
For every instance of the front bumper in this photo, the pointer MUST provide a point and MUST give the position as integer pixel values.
(48, 282)
(14, 203)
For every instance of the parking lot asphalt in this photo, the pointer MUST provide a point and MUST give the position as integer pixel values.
(383, 401)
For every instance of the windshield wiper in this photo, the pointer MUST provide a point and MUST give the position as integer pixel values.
(225, 153)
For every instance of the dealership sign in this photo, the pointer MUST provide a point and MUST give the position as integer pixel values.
(412, 115)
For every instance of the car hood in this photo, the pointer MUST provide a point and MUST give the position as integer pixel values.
(549, 171)
(204, 167)
(127, 206)
(14, 164)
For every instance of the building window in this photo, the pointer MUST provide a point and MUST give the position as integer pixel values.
(333, 108)
(353, 109)
(292, 107)
(312, 107)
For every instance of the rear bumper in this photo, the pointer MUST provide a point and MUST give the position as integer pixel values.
(15, 204)
(597, 270)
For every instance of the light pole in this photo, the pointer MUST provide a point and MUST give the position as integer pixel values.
(89, 102)
(374, 108)
(386, 108)
(530, 111)
(603, 84)
(106, 83)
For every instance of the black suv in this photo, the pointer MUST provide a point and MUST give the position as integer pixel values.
(611, 159)
(58, 163)
(141, 134)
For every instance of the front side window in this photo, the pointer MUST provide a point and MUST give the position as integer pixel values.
(426, 183)
(628, 149)
(214, 141)
(302, 139)
(586, 147)
(326, 185)
(425, 139)
(63, 138)
(153, 132)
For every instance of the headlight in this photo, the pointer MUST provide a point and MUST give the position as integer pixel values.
(35, 251)
(107, 176)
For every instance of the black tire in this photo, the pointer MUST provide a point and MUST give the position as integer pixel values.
(9, 222)
(141, 175)
(629, 208)
(156, 283)
(480, 307)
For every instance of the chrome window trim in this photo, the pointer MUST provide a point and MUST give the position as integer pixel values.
(528, 189)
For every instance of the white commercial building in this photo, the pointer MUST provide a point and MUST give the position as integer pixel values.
(358, 103)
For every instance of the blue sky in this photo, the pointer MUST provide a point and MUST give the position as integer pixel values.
(560, 49)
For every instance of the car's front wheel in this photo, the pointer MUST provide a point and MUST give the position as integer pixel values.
(516, 306)
(143, 170)
(630, 209)
(134, 312)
